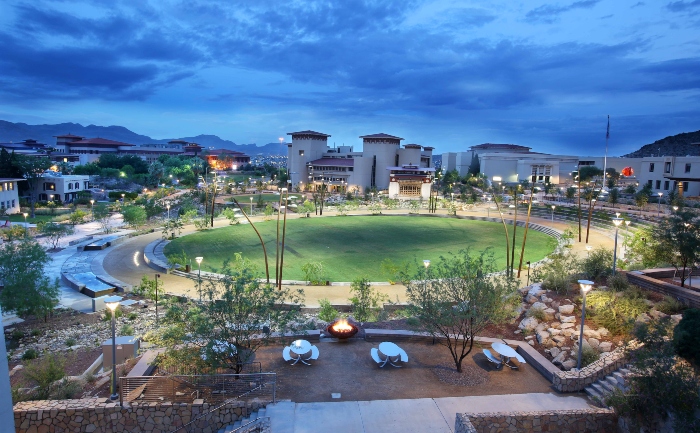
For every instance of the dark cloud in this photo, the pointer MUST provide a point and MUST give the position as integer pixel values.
(638, 4)
(684, 6)
(549, 13)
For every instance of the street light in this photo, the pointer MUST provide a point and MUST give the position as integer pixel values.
(112, 303)
(168, 207)
(553, 212)
(156, 292)
(92, 208)
(199, 275)
(586, 287)
(453, 197)
(251, 205)
(528, 273)
(660, 194)
(26, 228)
(617, 222)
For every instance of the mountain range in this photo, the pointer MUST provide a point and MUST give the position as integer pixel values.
(13, 132)
(686, 143)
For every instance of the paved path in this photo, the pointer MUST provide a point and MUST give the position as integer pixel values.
(405, 416)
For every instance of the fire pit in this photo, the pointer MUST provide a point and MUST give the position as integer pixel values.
(342, 328)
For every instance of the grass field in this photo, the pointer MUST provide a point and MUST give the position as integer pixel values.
(350, 247)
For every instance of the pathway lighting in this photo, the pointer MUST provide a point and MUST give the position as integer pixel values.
(586, 286)
(588, 249)
(26, 228)
(112, 303)
(251, 205)
(426, 263)
(553, 212)
(617, 222)
(660, 194)
(199, 276)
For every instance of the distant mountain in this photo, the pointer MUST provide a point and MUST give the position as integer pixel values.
(14, 132)
(686, 143)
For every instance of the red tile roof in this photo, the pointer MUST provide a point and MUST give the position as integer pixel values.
(308, 132)
(100, 142)
(68, 136)
(381, 135)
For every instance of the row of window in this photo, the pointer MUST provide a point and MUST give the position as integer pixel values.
(667, 167)
(50, 186)
(10, 204)
(7, 186)
(667, 185)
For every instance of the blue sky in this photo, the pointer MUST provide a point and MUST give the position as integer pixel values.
(442, 73)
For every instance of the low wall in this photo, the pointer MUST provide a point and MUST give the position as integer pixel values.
(564, 421)
(573, 381)
(647, 279)
(94, 415)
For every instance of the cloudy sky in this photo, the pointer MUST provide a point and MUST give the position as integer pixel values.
(443, 73)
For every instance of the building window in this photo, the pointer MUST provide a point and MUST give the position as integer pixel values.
(687, 168)
(411, 189)
(70, 186)
(301, 153)
(667, 167)
(649, 183)
(13, 203)
(666, 185)
(658, 184)
(685, 186)
(651, 167)
(3, 186)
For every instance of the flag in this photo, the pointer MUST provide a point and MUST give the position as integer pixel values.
(607, 134)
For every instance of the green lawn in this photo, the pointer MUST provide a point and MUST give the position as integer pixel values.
(354, 246)
(245, 198)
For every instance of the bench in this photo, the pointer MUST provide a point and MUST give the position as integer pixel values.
(492, 358)
(100, 244)
(93, 287)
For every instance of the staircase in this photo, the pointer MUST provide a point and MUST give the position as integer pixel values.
(600, 389)
(243, 424)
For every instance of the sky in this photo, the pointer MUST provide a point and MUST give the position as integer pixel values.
(442, 73)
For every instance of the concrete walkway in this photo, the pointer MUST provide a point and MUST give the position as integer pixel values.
(405, 416)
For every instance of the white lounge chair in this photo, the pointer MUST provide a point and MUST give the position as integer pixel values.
(404, 356)
(286, 355)
(375, 355)
(314, 352)
(492, 358)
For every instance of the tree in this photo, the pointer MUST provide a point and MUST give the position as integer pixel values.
(77, 217)
(32, 169)
(614, 197)
(677, 240)
(238, 311)
(664, 385)
(458, 297)
(54, 232)
(27, 290)
(630, 189)
(686, 336)
(366, 301)
(134, 216)
(100, 213)
(475, 165)
(172, 227)
(570, 193)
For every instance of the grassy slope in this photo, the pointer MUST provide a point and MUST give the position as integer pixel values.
(354, 246)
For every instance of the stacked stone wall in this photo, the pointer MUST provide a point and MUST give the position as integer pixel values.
(95, 415)
(573, 381)
(563, 421)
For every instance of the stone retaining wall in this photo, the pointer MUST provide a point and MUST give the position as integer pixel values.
(94, 415)
(573, 381)
(648, 279)
(564, 421)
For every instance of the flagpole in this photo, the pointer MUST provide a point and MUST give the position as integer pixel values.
(605, 163)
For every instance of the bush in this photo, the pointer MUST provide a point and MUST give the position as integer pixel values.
(537, 313)
(618, 283)
(557, 273)
(126, 329)
(30, 354)
(45, 373)
(670, 306)
(616, 311)
(327, 313)
(686, 336)
(36, 332)
(70, 342)
(132, 316)
(108, 314)
(597, 264)
(588, 356)
(17, 334)
(366, 302)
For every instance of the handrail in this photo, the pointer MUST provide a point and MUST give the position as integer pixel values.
(251, 424)
(228, 402)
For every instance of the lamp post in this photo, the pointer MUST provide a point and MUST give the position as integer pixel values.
(660, 194)
(453, 197)
(675, 208)
(426, 263)
(168, 207)
(617, 221)
(528, 273)
(586, 287)
(251, 205)
(156, 293)
(199, 276)
(92, 208)
(588, 250)
(112, 303)
(553, 212)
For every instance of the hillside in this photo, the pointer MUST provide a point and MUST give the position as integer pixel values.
(14, 132)
(686, 143)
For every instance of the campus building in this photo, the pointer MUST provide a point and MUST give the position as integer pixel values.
(9, 199)
(383, 165)
(64, 188)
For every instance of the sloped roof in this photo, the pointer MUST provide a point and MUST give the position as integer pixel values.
(68, 136)
(100, 142)
(308, 132)
(339, 162)
(381, 135)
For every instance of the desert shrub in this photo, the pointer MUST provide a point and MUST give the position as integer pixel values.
(313, 273)
(108, 314)
(686, 336)
(588, 356)
(70, 342)
(670, 305)
(36, 332)
(536, 312)
(65, 389)
(597, 264)
(30, 354)
(132, 316)
(618, 282)
(126, 329)
(558, 272)
(17, 334)
(616, 311)
(366, 301)
(45, 373)
(327, 313)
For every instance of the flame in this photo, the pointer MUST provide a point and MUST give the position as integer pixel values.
(342, 326)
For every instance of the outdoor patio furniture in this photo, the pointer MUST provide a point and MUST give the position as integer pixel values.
(507, 353)
(392, 353)
(492, 358)
(286, 354)
(314, 352)
(298, 349)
